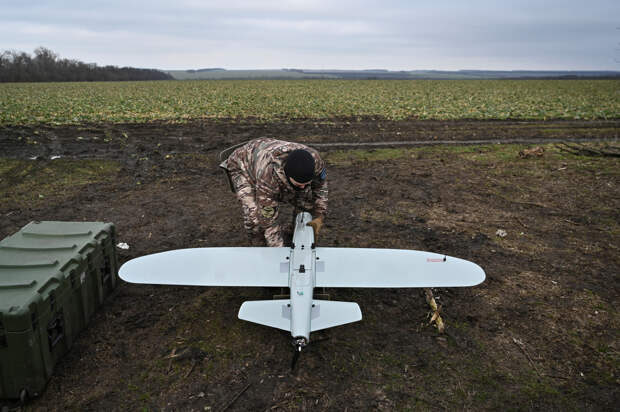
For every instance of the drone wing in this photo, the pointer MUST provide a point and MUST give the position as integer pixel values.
(219, 266)
(392, 268)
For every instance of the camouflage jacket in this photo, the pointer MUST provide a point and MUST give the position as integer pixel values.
(261, 162)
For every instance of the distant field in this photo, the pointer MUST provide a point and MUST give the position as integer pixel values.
(276, 100)
(243, 74)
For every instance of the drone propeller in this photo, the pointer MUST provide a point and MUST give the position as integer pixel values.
(298, 345)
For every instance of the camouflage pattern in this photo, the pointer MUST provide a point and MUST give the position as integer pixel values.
(256, 171)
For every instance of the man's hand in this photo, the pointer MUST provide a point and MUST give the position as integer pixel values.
(316, 224)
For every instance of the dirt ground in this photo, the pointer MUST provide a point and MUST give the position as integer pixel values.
(542, 332)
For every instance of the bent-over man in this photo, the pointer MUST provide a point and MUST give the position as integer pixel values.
(267, 172)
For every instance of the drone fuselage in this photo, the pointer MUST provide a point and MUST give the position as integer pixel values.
(302, 277)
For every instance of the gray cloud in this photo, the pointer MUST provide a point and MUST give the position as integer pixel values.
(321, 34)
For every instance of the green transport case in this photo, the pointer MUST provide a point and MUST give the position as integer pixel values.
(53, 277)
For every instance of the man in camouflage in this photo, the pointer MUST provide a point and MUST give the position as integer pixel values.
(266, 172)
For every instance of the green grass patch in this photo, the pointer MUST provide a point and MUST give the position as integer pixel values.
(348, 157)
(33, 182)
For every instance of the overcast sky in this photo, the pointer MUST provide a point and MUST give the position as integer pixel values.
(320, 34)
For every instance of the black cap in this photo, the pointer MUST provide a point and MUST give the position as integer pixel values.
(299, 166)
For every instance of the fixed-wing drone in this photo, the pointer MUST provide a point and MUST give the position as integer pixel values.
(302, 267)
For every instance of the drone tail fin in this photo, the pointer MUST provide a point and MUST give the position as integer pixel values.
(273, 313)
(277, 313)
(327, 314)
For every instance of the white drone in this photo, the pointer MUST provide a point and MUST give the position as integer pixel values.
(302, 267)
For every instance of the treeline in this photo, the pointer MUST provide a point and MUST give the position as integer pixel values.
(47, 66)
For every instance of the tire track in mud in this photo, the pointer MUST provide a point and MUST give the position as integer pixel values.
(337, 145)
(133, 144)
(130, 153)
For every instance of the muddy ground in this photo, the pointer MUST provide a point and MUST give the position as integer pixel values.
(542, 332)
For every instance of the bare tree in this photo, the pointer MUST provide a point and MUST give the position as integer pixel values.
(47, 66)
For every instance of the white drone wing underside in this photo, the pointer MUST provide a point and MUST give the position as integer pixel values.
(393, 268)
(335, 267)
(218, 266)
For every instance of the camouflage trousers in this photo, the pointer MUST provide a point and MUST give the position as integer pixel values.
(246, 194)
